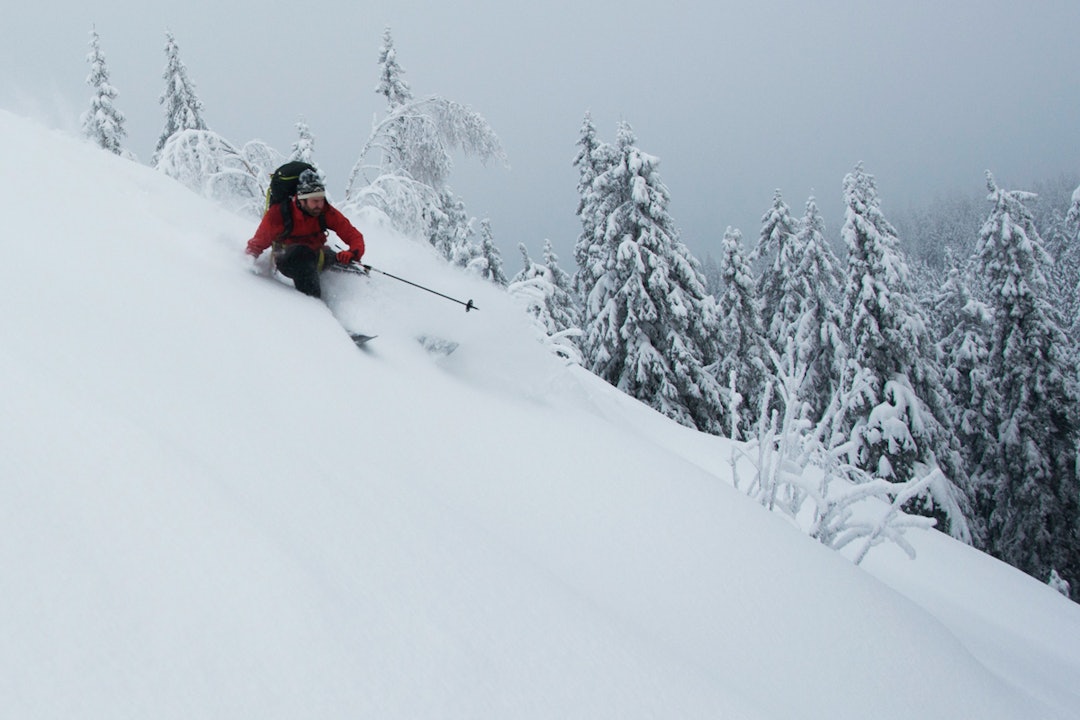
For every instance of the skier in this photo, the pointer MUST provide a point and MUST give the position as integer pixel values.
(297, 232)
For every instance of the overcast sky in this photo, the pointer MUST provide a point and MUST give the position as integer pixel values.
(736, 99)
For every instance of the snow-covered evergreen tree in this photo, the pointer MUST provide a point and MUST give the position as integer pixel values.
(392, 84)
(414, 141)
(183, 109)
(103, 122)
(964, 349)
(777, 249)
(1072, 218)
(742, 345)
(303, 149)
(395, 89)
(452, 229)
(819, 343)
(899, 427)
(649, 325)
(1067, 267)
(545, 290)
(488, 262)
(563, 306)
(1030, 473)
(593, 158)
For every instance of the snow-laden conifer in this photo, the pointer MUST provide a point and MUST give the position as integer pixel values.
(103, 123)
(649, 325)
(899, 427)
(815, 282)
(183, 109)
(1072, 218)
(395, 89)
(593, 158)
(451, 229)
(303, 149)
(488, 262)
(545, 290)
(964, 350)
(563, 306)
(778, 252)
(742, 352)
(1068, 264)
(392, 84)
(1031, 470)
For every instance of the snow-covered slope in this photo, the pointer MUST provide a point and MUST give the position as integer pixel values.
(213, 505)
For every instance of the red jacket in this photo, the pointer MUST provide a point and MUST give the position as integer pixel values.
(306, 230)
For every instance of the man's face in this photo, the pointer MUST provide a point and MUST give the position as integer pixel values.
(313, 205)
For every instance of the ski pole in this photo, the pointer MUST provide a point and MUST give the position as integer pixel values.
(468, 305)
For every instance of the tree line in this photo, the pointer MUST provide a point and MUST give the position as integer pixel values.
(958, 379)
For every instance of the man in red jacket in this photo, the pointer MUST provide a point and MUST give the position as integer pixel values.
(300, 251)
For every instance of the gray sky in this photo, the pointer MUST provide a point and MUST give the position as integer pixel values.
(736, 99)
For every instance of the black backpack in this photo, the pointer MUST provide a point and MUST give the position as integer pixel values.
(283, 188)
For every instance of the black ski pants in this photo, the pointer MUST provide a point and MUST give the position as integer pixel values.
(302, 265)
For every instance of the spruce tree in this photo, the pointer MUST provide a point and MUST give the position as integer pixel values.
(183, 109)
(391, 85)
(531, 287)
(488, 262)
(1068, 264)
(545, 290)
(103, 122)
(593, 158)
(742, 344)
(815, 282)
(649, 325)
(1031, 471)
(1072, 219)
(901, 422)
(452, 229)
(395, 89)
(964, 349)
(777, 249)
(562, 305)
(304, 147)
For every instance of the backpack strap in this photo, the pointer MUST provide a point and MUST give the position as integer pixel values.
(286, 218)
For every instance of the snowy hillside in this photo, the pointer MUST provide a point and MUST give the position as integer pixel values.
(213, 505)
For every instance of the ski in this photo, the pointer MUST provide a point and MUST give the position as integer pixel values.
(351, 268)
(360, 339)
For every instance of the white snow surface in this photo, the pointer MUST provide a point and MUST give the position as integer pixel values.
(213, 505)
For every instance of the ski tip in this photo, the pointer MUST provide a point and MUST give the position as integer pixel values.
(361, 339)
